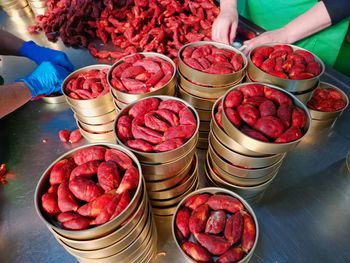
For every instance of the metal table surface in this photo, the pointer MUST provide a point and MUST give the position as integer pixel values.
(303, 217)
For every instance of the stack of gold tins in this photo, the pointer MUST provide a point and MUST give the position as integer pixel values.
(38, 6)
(169, 175)
(16, 7)
(122, 99)
(129, 237)
(302, 89)
(325, 120)
(240, 163)
(202, 89)
(94, 116)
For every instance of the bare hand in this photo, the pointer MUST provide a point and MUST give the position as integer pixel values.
(225, 26)
(277, 36)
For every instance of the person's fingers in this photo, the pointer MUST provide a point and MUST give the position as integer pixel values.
(233, 31)
(63, 61)
(220, 31)
(249, 45)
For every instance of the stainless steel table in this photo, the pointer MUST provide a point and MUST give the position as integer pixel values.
(303, 217)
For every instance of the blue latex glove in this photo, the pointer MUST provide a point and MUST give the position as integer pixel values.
(45, 79)
(39, 54)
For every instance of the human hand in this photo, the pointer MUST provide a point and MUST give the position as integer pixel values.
(39, 54)
(225, 26)
(47, 78)
(277, 36)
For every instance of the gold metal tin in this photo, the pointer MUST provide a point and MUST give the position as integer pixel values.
(236, 180)
(217, 190)
(204, 115)
(156, 172)
(175, 200)
(242, 160)
(260, 146)
(120, 245)
(108, 136)
(206, 78)
(204, 126)
(92, 111)
(168, 210)
(252, 199)
(164, 211)
(167, 89)
(54, 99)
(148, 253)
(92, 105)
(207, 92)
(259, 75)
(322, 124)
(110, 116)
(321, 115)
(162, 157)
(98, 127)
(177, 189)
(241, 172)
(170, 182)
(132, 251)
(305, 96)
(244, 191)
(118, 103)
(98, 231)
(197, 102)
(118, 234)
(227, 140)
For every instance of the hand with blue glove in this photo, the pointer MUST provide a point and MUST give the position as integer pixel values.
(45, 79)
(39, 54)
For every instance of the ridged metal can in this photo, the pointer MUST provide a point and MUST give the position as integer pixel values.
(92, 107)
(224, 138)
(240, 171)
(240, 159)
(159, 172)
(178, 188)
(247, 192)
(167, 89)
(98, 231)
(216, 190)
(303, 96)
(260, 146)
(202, 91)
(322, 115)
(259, 75)
(162, 157)
(118, 234)
(203, 78)
(106, 136)
(197, 102)
(105, 118)
(173, 180)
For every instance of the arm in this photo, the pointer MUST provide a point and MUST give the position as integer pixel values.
(337, 10)
(10, 44)
(225, 25)
(45, 79)
(308, 23)
(12, 96)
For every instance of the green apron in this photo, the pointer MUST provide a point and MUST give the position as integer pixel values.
(273, 14)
